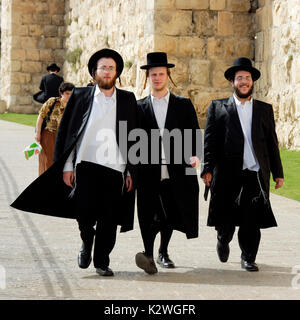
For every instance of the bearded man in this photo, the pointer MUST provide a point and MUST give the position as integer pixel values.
(91, 179)
(240, 151)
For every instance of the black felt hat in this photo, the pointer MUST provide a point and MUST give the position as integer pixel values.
(53, 67)
(242, 64)
(106, 53)
(157, 59)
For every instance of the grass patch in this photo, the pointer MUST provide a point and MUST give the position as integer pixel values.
(291, 169)
(22, 118)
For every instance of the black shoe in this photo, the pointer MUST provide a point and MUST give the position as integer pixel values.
(223, 251)
(164, 261)
(105, 272)
(85, 255)
(249, 266)
(145, 263)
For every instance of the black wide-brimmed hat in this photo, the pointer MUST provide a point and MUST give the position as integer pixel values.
(157, 59)
(106, 53)
(53, 66)
(242, 64)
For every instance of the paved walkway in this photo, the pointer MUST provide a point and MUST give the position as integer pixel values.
(38, 253)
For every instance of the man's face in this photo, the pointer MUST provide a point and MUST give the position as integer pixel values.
(243, 84)
(106, 73)
(158, 78)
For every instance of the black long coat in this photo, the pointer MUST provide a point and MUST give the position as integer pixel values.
(49, 87)
(180, 115)
(223, 157)
(48, 194)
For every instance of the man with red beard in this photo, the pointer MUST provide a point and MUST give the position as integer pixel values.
(240, 151)
(91, 179)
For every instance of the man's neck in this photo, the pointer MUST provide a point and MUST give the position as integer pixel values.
(243, 100)
(107, 92)
(159, 93)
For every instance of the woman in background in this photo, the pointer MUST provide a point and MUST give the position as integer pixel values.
(52, 110)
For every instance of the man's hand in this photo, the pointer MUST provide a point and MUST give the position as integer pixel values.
(129, 184)
(68, 177)
(194, 162)
(279, 183)
(207, 178)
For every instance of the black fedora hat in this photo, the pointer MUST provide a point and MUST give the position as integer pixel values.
(157, 59)
(53, 67)
(106, 53)
(244, 64)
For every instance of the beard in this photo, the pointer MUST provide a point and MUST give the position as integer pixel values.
(243, 95)
(106, 84)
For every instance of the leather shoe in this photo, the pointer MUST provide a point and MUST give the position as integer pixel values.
(85, 255)
(249, 266)
(145, 263)
(105, 272)
(164, 261)
(223, 251)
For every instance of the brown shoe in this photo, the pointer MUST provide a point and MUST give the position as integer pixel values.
(145, 263)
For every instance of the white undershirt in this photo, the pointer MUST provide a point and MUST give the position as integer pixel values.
(98, 142)
(160, 107)
(245, 115)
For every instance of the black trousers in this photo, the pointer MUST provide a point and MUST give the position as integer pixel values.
(250, 203)
(160, 223)
(97, 195)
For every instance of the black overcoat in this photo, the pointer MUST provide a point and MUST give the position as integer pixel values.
(49, 86)
(223, 157)
(48, 194)
(180, 115)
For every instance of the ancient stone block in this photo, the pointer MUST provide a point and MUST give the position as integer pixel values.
(53, 43)
(165, 43)
(164, 4)
(199, 72)
(238, 5)
(191, 46)
(173, 22)
(31, 66)
(225, 21)
(50, 31)
(205, 24)
(192, 4)
(217, 4)
(18, 54)
(35, 30)
(15, 65)
(46, 55)
(214, 47)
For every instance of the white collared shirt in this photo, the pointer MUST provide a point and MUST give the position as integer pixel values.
(98, 143)
(245, 115)
(160, 107)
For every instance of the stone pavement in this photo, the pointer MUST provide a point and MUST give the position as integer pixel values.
(38, 253)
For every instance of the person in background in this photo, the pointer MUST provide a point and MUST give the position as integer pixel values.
(49, 85)
(51, 111)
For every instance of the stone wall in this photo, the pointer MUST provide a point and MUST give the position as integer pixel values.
(277, 55)
(125, 26)
(203, 38)
(31, 38)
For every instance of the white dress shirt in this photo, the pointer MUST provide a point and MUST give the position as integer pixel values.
(245, 115)
(98, 142)
(160, 107)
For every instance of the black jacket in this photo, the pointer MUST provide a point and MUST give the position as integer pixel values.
(223, 156)
(180, 115)
(49, 87)
(48, 194)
